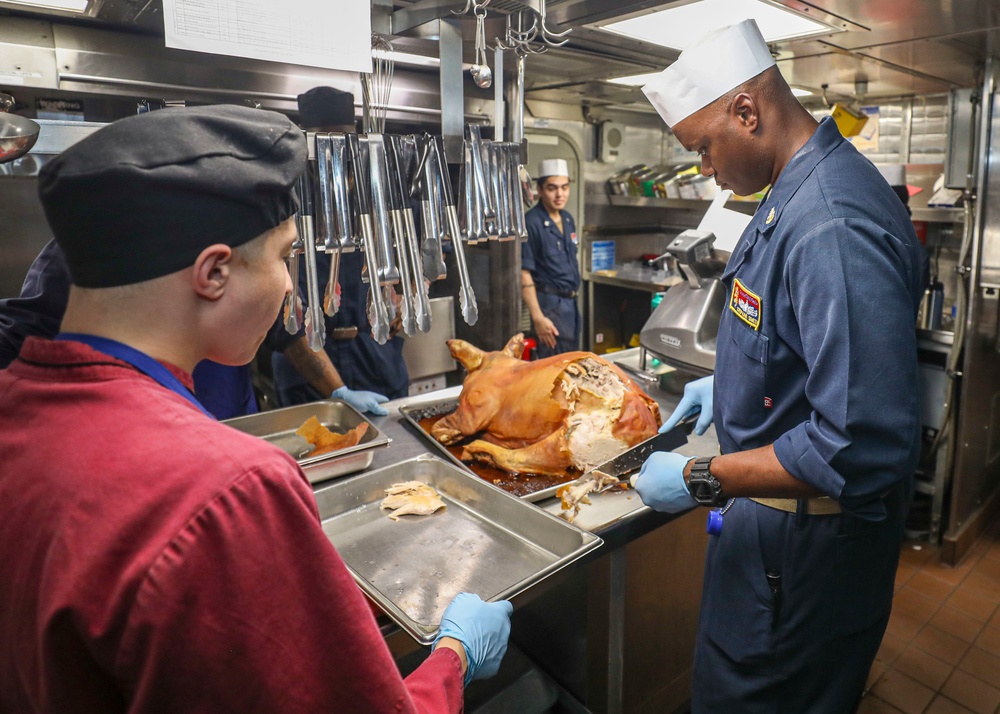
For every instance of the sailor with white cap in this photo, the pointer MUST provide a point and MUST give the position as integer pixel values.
(550, 273)
(814, 396)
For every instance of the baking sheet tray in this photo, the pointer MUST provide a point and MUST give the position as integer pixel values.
(414, 413)
(484, 541)
(278, 427)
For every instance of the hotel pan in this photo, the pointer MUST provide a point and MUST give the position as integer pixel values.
(484, 541)
(278, 426)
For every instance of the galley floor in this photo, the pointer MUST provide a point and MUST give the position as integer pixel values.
(941, 652)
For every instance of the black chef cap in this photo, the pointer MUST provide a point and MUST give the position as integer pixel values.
(143, 196)
(326, 106)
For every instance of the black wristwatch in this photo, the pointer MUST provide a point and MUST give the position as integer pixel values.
(704, 487)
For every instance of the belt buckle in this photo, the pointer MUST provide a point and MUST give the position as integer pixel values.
(344, 333)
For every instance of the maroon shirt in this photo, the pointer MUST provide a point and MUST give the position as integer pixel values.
(154, 560)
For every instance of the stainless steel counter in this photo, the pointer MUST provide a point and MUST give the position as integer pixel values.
(615, 631)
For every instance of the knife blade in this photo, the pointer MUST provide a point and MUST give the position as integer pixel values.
(630, 461)
(612, 473)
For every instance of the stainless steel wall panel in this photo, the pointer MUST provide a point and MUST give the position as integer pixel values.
(24, 231)
(97, 61)
(975, 476)
(27, 54)
(990, 200)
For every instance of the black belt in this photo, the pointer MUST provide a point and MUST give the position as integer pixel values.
(344, 333)
(555, 291)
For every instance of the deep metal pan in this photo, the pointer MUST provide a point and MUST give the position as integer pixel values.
(621, 466)
(278, 427)
(483, 541)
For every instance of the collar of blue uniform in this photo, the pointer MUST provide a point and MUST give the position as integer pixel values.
(546, 219)
(822, 142)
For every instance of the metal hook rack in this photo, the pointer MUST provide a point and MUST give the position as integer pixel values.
(527, 31)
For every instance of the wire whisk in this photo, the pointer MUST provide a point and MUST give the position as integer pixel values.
(376, 87)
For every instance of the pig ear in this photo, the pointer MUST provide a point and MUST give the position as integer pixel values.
(470, 356)
(515, 347)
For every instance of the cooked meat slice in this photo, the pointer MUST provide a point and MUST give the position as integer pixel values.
(325, 440)
(575, 494)
(413, 498)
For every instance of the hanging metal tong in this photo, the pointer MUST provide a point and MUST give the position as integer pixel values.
(466, 296)
(427, 186)
(315, 326)
(388, 273)
(292, 309)
(335, 232)
(394, 197)
(416, 303)
(380, 323)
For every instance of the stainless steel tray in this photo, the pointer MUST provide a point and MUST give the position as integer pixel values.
(278, 427)
(484, 541)
(415, 412)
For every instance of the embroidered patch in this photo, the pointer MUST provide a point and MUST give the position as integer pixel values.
(745, 304)
(767, 402)
(770, 216)
(572, 237)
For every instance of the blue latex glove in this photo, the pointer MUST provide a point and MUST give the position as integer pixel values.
(660, 482)
(483, 628)
(362, 400)
(697, 398)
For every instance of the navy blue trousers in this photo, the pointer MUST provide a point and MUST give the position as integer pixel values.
(806, 649)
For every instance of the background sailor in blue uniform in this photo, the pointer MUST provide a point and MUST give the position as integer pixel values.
(550, 273)
(814, 396)
(352, 365)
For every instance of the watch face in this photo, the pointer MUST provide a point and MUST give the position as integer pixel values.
(702, 491)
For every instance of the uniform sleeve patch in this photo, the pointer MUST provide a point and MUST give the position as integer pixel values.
(745, 304)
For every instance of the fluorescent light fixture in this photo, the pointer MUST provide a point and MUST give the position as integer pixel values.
(635, 80)
(680, 25)
(67, 5)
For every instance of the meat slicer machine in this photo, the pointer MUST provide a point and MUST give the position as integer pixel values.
(682, 330)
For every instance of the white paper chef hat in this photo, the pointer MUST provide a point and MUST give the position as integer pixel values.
(718, 63)
(553, 167)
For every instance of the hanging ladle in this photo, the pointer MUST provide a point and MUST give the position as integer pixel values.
(17, 134)
(481, 73)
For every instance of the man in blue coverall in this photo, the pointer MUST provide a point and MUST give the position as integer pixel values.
(352, 366)
(550, 274)
(814, 396)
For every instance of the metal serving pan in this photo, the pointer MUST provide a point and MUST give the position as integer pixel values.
(484, 541)
(278, 426)
(416, 412)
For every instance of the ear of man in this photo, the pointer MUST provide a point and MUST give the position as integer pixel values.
(211, 271)
(745, 110)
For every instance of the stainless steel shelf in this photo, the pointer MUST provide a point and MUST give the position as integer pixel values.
(677, 203)
(653, 286)
(940, 337)
(931, 215)
(939, 215)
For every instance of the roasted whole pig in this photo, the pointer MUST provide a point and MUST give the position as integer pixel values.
(571, 411)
